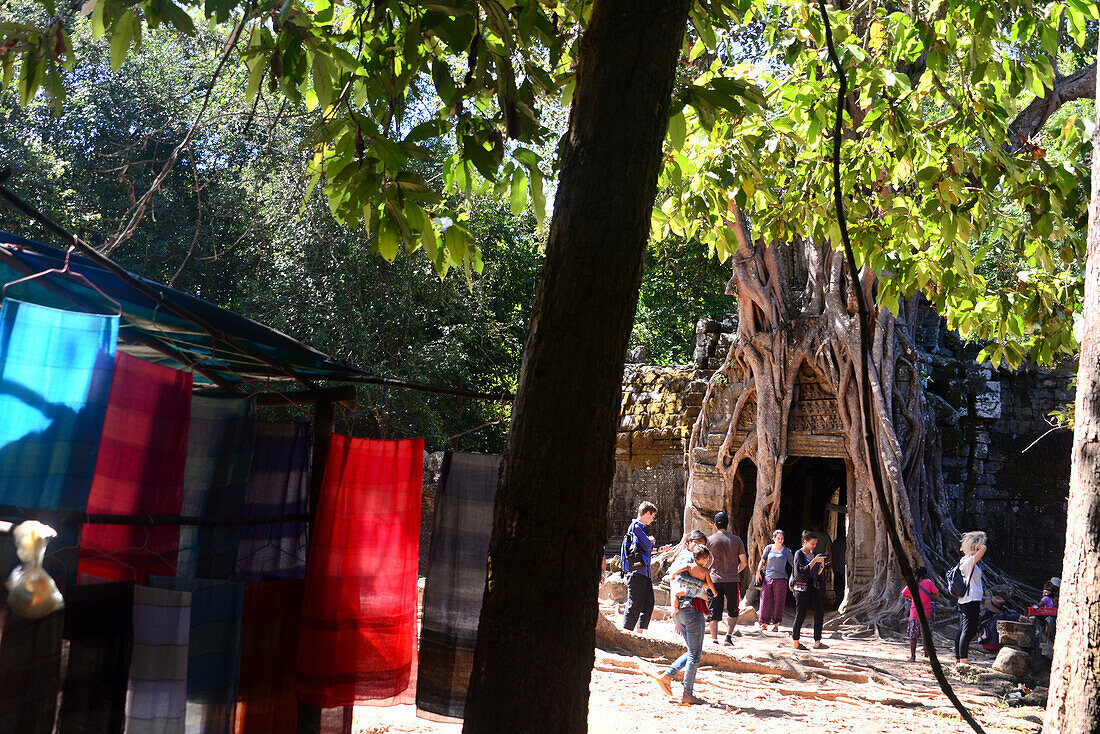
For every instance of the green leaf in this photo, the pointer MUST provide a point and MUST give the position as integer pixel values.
(444, 84)
(322, 79)
(97, 19)
(429, 130)
(677, 130)
(322, 12)
(176, 15)
(121, 36)
(456, 240)
(388, 240)
(256, 68)
(538, 198)
(30, 76)
(518, 198)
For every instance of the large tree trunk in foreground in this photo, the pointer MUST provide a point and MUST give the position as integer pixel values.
(534, 653)
(1074, 703)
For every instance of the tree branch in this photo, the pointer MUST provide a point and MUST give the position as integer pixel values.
(1081, 84)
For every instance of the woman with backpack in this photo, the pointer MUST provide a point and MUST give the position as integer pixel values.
(970, 603)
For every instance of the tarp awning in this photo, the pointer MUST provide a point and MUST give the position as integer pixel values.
(235, 350)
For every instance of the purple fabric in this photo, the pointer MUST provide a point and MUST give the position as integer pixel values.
(773, 598)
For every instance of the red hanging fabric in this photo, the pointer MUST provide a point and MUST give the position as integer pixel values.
(270, 620)
(139, 471)
(358, 638)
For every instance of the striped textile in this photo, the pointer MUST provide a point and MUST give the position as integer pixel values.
(100, 630)
(157, 694)
(213, 652)
(455, 584)
(219, 454)
(139, 471)
(30, 671)
(277, 485)
(270, 620)
(55, 374)
(358, 642)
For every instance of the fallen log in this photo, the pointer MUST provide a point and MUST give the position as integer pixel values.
(612, 638)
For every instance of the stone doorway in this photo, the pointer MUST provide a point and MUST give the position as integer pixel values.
(743, 500)
(814, 497)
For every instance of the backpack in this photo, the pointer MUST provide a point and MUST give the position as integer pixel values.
(956, 585)
(635, 558)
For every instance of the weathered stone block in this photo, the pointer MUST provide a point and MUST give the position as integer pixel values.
(614, 588)
(1016, 634)
(987, 404)
(707, 326)
(1011, 661)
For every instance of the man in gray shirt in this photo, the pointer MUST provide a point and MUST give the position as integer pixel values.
(728, 559)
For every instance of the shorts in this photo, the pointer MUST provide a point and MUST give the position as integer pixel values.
(728, 590)
(914, 633)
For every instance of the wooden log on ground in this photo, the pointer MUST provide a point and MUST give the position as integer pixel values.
(612, 638)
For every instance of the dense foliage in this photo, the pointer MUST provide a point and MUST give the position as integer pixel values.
(950, 191)
(229, 224)
(267, 161)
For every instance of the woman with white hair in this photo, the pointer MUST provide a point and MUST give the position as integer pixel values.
(970, 604)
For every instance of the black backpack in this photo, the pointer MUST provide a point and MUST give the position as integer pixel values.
(635, 558)
(957, 586)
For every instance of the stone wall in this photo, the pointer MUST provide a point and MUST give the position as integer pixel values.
(658, 409)
(996, 479)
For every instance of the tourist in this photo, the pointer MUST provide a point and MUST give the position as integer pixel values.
(928, 592)
(808, 585)
(970, 604)
(639, 584)
(772, 578)
(994, 610)
(1046, 625)
(690, 620)
(728, 560)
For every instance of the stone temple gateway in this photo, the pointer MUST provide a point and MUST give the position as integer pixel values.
(985, 418)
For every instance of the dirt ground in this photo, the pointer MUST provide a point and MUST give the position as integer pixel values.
(857, 685)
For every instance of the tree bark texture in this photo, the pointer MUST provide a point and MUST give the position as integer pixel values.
(1074, 701)
(534, 653)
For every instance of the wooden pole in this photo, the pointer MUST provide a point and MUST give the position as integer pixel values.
(325, 395)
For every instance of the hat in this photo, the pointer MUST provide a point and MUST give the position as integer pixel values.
(1055, 582)
(995, 604)
(721, 518)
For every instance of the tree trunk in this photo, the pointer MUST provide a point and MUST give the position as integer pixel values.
(1074, 702)
(534, 653)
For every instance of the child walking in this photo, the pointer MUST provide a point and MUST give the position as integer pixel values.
(928, 591)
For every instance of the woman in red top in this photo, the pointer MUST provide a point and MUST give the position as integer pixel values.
(928, 590)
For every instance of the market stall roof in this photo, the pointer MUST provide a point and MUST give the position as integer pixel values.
(178, 330)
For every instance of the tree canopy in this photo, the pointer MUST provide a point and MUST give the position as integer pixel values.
(967, 175)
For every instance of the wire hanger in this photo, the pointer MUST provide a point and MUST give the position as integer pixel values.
(64, 270)
(497, 422)
(270, 544)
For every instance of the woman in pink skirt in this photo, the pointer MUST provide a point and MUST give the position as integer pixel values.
(772, 575)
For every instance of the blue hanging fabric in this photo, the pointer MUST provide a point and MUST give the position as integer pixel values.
(55, 376)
